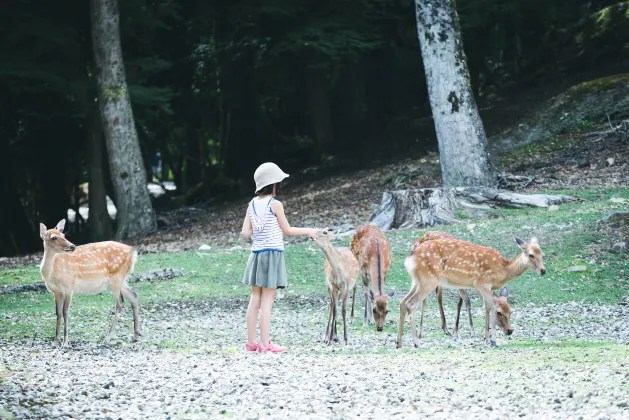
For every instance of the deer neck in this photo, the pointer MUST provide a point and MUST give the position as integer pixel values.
(515, 268)
(334, 259)
(47, 262)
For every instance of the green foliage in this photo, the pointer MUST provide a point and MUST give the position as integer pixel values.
(586, 125)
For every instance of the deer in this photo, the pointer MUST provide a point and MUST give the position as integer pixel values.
(503, 310)
(373, 252)
(458, 264)
(67, 269)
(341, 272)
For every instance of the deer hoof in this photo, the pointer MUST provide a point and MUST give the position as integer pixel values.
(336, 339)
(492, 343)
(56, 342)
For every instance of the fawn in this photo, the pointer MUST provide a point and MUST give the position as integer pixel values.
(457, 264)
(503, 310)
(88, 269)
(341, 271)
(373, 252)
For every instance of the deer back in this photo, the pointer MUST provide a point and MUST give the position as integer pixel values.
(373, 252)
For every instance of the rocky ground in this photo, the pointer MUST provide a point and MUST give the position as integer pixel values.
(563, 361)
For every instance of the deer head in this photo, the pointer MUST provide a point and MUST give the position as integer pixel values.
(532, 255)
(380, 307)
(503, 311)
(324, 239)
(54, 239)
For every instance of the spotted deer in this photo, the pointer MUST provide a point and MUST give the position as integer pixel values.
(373, 252)
(88, 269)
(503, 310)
(341, 271)
(457, 264)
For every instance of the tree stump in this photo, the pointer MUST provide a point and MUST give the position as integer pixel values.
(437, 206)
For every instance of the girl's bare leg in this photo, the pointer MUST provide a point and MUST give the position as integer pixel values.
(252, 314)
(266, 305)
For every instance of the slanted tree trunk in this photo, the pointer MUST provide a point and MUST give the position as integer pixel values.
(437, 206)
(99, 222)
(135, 215)
(460, 133)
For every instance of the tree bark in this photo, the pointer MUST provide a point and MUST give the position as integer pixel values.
(135, 215)
(460, 133)
(99, 221)
(437, 206)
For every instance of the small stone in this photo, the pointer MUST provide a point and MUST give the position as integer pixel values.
(611, 161)
(621, 248)
(205, 247)
(576, 268)
(553, 208)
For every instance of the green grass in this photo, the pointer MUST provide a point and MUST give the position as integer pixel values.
(567, 236)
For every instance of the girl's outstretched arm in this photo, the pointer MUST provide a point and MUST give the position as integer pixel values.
(247, 230)
(278, 209)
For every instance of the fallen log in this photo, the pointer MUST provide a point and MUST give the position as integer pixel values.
(437, 206)
(166, 273)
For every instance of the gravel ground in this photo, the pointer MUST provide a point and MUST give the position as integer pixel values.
(563, 361)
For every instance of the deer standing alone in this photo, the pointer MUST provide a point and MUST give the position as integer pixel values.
(373, 252)
(341, 271)
(503, 310)
(88, 269)
(458, 264)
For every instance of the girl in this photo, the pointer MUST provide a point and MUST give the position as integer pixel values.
(266, 272)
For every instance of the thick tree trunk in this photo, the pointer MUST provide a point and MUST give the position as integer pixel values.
(319, 104)
(99, 222)
(135, 215)
(460, 132)
(437, 206)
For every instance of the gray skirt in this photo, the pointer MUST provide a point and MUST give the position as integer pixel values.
(266, 269)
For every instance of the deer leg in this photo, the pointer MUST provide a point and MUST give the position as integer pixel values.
(133, 299)
(444, 326)
(118, 307)
(66, 306)
(328, 330)
(367, 306)
(419, 296)
(344, 319)
(459, 304)
(334, 313)
(59, 309)
(403, 310)
(490, 314)
(468, 306)
(351, 319)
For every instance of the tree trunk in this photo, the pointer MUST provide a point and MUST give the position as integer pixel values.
(135, 215)
(437, 206)
(17, 236)
(460, 132)
(99, 222)
(319, 104)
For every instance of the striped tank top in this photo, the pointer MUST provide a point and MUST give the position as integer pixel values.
(267, 233)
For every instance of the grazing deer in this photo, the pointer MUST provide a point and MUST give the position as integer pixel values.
(373, 252)
(341, 271)
(503, 310)
(88, 269)
(457, 264)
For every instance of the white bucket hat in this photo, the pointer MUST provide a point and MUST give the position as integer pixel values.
(268, 174)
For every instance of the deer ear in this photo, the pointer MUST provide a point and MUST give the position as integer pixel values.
(42, 230)
(520, 242)
(61, 225)
(391, 293)
(533, 240)
(504, 292)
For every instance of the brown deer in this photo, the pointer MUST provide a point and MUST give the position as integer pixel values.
(88, 269)
(373, 252)
(457, 264)
(503, 310)
(341, 271)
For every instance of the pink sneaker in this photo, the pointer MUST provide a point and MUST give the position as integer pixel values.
(272, 347)
(252, 347)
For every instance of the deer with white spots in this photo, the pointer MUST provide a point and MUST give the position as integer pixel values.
(373, 252)
(88, 269)
(457, 264)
